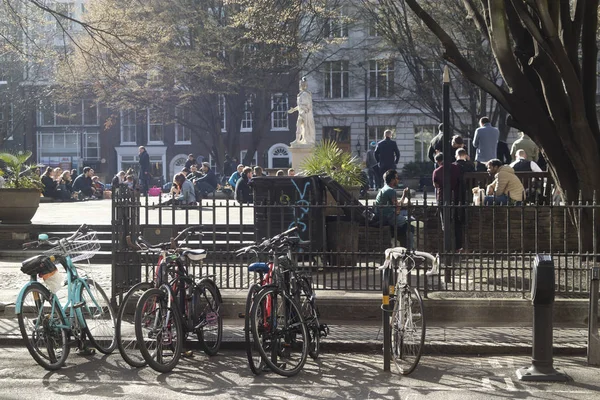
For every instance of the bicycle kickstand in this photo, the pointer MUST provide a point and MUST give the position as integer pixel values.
(82, 349)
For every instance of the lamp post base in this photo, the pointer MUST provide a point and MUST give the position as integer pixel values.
(541, 374)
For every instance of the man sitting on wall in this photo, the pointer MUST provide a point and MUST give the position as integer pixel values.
(506, 185)
(207, 184)
(83, 184)
(243, 192)
(388, 209)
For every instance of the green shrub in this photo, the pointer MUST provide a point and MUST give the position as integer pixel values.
(416, 169)
(329, 159)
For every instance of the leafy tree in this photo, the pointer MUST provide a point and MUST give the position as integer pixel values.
(546, 52)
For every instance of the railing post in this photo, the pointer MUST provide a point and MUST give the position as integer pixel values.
(593, 353)
(386, 309)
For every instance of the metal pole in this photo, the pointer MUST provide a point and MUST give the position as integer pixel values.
(447, 189)
(366, 112)
(593, 354)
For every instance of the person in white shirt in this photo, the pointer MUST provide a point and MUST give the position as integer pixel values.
(522, 164)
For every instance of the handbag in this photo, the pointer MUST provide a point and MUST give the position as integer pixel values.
(154, 191)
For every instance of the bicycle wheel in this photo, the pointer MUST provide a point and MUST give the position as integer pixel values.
(255, 360)
(208, 322)
(126, 342)
(99, 316)
(158, 330)
(310, 313)
(43, 327)
(407, 326)
(281, 332)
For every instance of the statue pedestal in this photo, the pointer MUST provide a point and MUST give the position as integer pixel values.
(299, 153)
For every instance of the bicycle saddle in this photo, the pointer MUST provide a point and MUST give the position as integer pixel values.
(195, 255)
(259, 267)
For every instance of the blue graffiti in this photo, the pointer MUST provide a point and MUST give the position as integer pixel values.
(304, 206)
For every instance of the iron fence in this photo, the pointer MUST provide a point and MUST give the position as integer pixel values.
(492, 250)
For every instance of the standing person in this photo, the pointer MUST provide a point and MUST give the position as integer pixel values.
(228, 166)
(371, 164)
(503, 152)
(486, 143)
(144, 170)
(437, 144)
(438, 182)
(243, 194)
(524, 142)
(522, 164)
(387, 153)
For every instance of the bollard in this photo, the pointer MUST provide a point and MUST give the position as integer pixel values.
(386, 309)
(542, 297)
(593, 353)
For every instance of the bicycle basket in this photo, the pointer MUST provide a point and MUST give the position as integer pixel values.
(80, 248)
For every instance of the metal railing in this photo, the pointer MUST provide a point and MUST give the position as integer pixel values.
(498, 243)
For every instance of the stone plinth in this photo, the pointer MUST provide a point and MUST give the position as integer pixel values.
(299, 153)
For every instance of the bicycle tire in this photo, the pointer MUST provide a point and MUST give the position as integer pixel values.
(125, 329)
(407, 325)
(35, 301)
(207, 318)
(99, 316)
(310, 313)
(281, 333)
(153, 319)
(255, 361)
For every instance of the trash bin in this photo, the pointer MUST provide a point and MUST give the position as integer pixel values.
(282, 202)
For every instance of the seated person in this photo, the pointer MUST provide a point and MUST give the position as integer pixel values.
(50, 185)
(98, 186)
(522, 164)
(118, 179)
(280, 173)
(388, 209)
(208, 183)
(130, 182)
(83, 184)
(236, 175)
(243, 193)
(65, 185)
(506, 185)
(258, 171)
(194, 174)
(186, 195)
(291, 172)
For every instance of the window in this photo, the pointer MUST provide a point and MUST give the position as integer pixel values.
(279, 156)
(91, 146)
(128, 127)
(213, 163)
(52, 145)
(373, 28)
(223, 112)
(247, 117)
(430, 74)
(279, 115)
(423, 136)
(46, 113)
(376, 132)
(336, 79)
(155, 127)
(63, 23)
(252, 162)
(90, 112)
(381, 74)
(182, 132)
(337, 24)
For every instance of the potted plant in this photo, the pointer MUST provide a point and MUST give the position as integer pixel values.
(20, 191)
(346, 169)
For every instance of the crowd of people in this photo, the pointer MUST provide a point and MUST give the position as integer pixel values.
(59, 185)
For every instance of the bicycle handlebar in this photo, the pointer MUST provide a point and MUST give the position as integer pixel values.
(82, 230)
(406, 253)
(142, 244)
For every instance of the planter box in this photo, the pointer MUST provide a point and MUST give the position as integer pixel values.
(18, 206)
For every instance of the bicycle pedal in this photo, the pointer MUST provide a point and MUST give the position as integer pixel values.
(79, 305)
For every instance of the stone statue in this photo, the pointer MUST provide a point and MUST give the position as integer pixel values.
(305, 127)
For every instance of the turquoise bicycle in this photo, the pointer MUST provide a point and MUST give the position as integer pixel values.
(49, 328)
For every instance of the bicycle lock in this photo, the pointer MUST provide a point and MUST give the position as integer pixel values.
(542, 297)
(593, 353)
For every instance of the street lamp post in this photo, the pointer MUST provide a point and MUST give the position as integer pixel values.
(447, 190)
(364, 66)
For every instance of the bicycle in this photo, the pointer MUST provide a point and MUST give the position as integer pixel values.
(407, 322)
(178, 307)
(279, 331)
(126, 339)
(45, 324)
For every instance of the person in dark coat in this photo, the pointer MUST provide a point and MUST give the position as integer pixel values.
(83, 184)
(208, 183)
(387, 153)
(50, 186)
(144, 170)
(190, 161)
(243, 194)
(437, 144)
